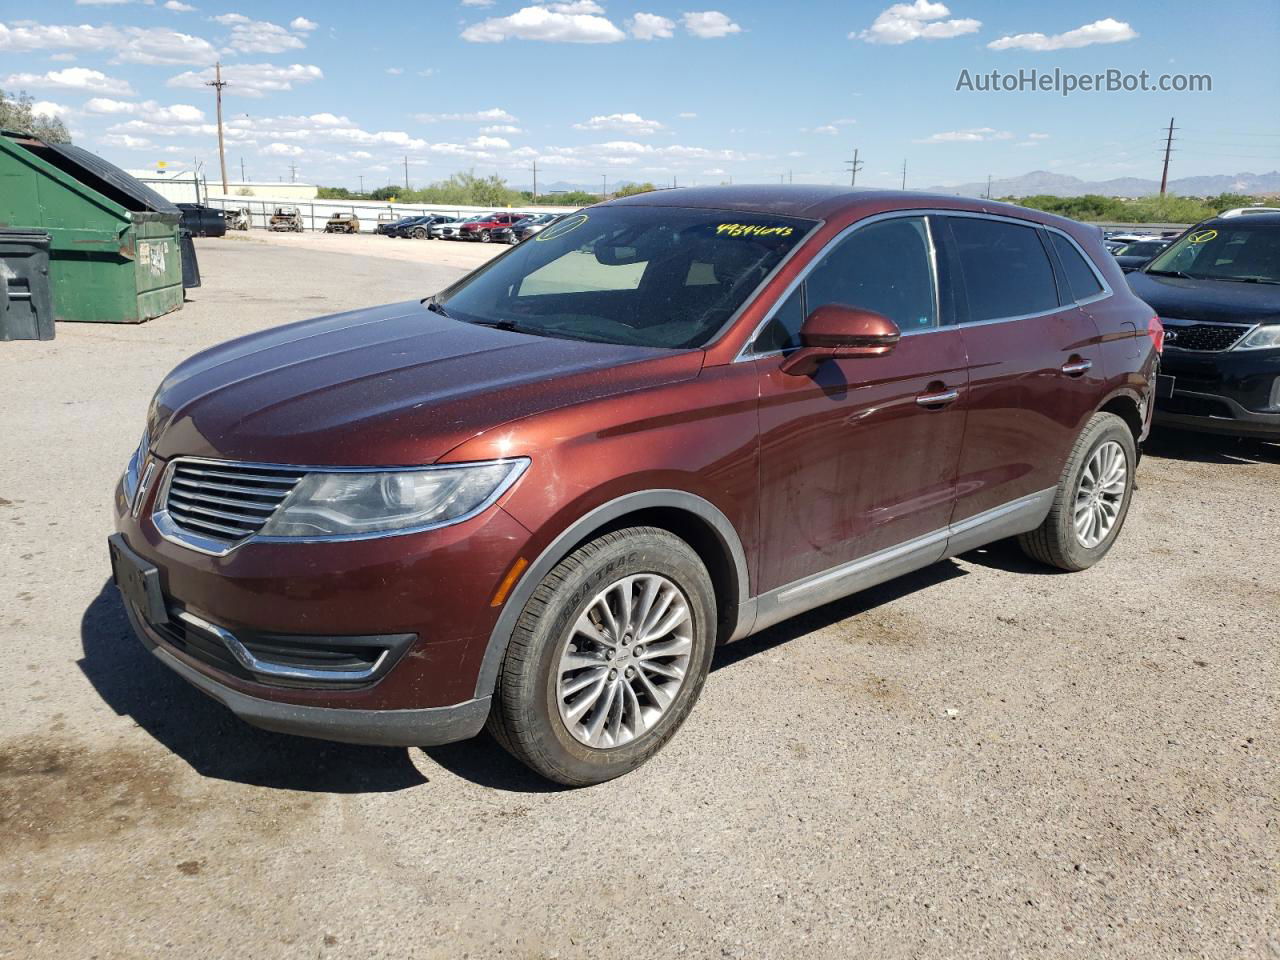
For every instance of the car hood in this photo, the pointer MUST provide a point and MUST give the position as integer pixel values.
(392, 385)
(1209, 300)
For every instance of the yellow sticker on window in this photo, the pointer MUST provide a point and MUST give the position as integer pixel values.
(560, 228)
(1202, 236)
(752, 230)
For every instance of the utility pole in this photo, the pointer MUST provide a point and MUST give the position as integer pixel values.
(218, 83)
(361, 182)
(854, 166)
(604, 185)
(988, 186)
(535, 179)
(1168, 148)
(904, 173)
(790, 178)
(406, 171)
(293, 172)
(242, 169)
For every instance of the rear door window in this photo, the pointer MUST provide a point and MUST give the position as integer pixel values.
(1081, 280)
(1006, 269)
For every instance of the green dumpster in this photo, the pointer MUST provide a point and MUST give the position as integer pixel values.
(114, 254)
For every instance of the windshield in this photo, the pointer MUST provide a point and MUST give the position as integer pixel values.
(648, 276)
(1235, 252)
(1143, 248)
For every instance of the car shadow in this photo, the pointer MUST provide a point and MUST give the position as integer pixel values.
(1168, 444)
(1006, 555)
(834, 612)
(215, 743)
(206, 735)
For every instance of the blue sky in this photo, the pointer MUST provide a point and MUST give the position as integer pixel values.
(702, 91)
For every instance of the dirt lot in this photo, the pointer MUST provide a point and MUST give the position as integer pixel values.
(981, 760)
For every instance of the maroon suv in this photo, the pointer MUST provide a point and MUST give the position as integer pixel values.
(539, 499)
(484, 228)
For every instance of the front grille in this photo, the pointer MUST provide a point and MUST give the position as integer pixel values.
(1195, 407)
(1205, 337)
(226, 501)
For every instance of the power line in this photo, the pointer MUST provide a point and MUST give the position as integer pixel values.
(218, 83)
(854, 166)
(1168, 148)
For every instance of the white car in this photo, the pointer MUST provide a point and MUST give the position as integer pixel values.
(452, 231)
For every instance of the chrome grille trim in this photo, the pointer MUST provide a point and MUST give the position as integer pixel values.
(1204, 336)
(213, 506)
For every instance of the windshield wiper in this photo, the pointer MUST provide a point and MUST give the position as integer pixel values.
(434, 306)
(1171, 273)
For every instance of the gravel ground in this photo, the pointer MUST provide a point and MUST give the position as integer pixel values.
(981, 760)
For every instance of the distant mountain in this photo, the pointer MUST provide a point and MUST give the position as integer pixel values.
(1062, 185)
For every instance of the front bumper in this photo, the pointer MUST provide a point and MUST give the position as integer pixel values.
(1224, 392)
(422, 727)
(436, 585)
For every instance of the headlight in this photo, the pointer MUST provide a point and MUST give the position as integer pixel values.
(1266, 336)
(133, 472)
(359, 502)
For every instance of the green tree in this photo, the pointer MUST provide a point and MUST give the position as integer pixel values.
(16, 114)
(631, 189)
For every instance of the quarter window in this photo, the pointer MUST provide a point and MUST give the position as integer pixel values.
(1080, 277)
(1007, 272)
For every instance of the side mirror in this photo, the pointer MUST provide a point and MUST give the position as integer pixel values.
(839, 332)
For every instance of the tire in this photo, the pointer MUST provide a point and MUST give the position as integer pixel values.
(485, 236)
(528, 716)
(1057, 542)
(419, 234)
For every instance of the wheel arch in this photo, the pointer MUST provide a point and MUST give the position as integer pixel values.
(694, 519)
(1128, 407)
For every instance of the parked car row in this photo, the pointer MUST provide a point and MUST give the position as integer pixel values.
(482, 227)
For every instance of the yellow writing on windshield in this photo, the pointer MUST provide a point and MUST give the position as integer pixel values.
(752, 230)
(1204, 236)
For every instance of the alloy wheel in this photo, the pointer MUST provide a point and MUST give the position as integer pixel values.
(624, 661)
(1100, 495)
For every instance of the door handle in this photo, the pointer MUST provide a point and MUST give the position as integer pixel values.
(941, 398)
(1074, 368)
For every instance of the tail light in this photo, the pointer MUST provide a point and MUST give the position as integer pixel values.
(1155, 330)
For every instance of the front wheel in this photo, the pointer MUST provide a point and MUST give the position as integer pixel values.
(607, 658)
(1092, 498)
(485, 236)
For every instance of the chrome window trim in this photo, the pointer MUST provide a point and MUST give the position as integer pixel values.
(213, 547)
(745, 353)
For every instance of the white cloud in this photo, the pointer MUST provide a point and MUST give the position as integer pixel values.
(650, 26)
(904, 22)
(828, 129)
(631, 123)
(252, 79)
(282, 150)
(688, 116)
(1038, 136)
(72, 78)
(490, 143)
(477, 3)
(47, 108)
(258, 36)
(709, 24)
(493, 115)
(501, 128)
(395, 71)
(180, 113)
(148, 45)
(548, 24)
(177, 6)
(1108, 30)
(972, 135)
(126, 141)
(302, 24)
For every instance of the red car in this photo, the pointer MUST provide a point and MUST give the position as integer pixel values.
(539, 499)
(483, 230)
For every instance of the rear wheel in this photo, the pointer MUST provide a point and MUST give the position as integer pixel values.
(419, 233)
(485, 236)
(607, 658)
(1092, 498)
